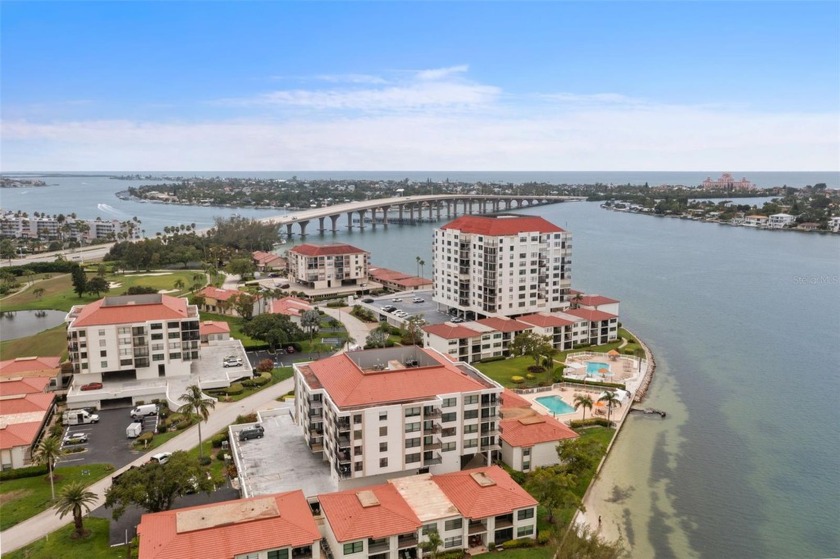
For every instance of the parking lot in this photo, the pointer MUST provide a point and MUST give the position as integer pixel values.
(428, 309)
(107, 442)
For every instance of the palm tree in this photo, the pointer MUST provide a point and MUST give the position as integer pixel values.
(48, 452)
(74, 496)
(179, 284)
(576, 300)
(418, 265)
(195, 404)
(610, 398)
(583, 401)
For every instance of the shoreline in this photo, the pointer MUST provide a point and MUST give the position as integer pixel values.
(589, 514)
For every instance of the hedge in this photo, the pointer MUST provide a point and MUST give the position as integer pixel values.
(29, 471)
(591, 383)
(61, 267)
(590, 421)
(516, 544)
(217, 440)
(517, 379)
(491, 359)
(235, 389)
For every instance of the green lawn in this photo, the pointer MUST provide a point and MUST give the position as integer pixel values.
(235, 324)
(48, 342)
(61, 545)
(546, 552)
(59, 294)
(24, 498)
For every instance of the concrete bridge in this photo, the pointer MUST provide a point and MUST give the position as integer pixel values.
(409, 209)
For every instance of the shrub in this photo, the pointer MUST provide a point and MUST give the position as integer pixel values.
(589, 421)
(204, 461)
(517, 379)
(145, 437)
(29, 471)
(265, 366)
(520, 543)
(140, 402)
(629, 351)
(217, 440)
(235, 389)
(491, 359)
(250, 418)
(530, 376)
(162, 427)
(544, 537)
(220, 456)
(184, 423)
(536, 369)
(631, 340)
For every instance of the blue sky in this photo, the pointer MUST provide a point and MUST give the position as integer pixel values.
(420, 85)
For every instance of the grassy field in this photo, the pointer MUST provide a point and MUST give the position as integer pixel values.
(528, 553)
(24, 498)
(61, 545)
(48, 342)
(235, 324)
(59, 294)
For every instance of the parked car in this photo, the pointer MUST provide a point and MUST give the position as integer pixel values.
(232, 361)
(397, 299)
(161, 457)
(251, 433)
(91, 386)
(457, 320)
(418, 300)
(367, 300)
(290, 349)
(143, 410)
(76, 438)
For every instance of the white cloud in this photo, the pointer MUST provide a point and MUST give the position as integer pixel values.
(441, 73)
(351, 78)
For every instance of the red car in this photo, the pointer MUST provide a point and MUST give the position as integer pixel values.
(290, 349)
(91, 386)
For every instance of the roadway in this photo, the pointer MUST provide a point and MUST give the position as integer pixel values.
(86, 254)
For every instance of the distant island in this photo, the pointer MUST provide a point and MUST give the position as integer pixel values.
(10, 182)
(811, 209)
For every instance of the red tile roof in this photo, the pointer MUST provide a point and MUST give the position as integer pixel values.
(504, 324)
(398, 278)
(545, 320)
(225, 530)
(511, 399)
(595, 300)
(213, 327)
(450, 331)
(350, 386)
(326, 250)
(19, 434)
(25, 366)
(26, 403)
(129, 309)
(591, 315)
(386, 513)
(499, 495)
(27, 385)
(211, 292)
(267, 258)
(290, 306)
(533, 429)
(502, 225)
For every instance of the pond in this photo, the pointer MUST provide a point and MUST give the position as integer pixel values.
(19, 324)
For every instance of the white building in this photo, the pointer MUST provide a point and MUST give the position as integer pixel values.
(49, 228)
(779, 221)
(530, 441)
(755, 221)
(501, 266)
(396, 411)
(328, 266)
(468, 510)
(834, 224)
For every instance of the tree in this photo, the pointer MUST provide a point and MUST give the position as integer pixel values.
(310, 321)
(101, 270)
(273, 329)
(196, 405)
(414, 329)
(243, 303)
(72, 499)
(179, 284)
(611, 400)
(553, 488)
(576, 300)
(79, 279)
(98, 285)
(240, 266)
(7, 250)
(155, 486)
(49, 452)
(431, 545)
(583, 401)
(38, 292)
(579, 456)
(378, 337)
(529, 343)
(265, 366)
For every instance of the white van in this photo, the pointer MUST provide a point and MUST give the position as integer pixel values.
(144, 410)
(79, 417)
(133, 431)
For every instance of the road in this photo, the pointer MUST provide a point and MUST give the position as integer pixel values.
(86, 254)
(225, 413)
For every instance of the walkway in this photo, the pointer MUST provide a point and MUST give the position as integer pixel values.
(225, 413)
(357, 329)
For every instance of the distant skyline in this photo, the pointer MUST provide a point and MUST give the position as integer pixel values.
(493, 86)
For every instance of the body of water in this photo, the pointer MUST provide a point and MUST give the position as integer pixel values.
(94, 196)
(745, 325)
(19, 324)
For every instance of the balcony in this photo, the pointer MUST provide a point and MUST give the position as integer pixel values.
(343, 441)
(344, 458)
(316, 445)
(378, 546)
(435, 445)
(435, 458)
(431, 413)
(302, 552)
(316, 404)
(343, 425)
(477, 528)
(431, 429)
(505, 521)
(406, 540)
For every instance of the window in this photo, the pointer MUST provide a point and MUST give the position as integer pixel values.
(525, 514)
(102, 332)
(156, 326)
(448, 447)
(157, 336)
(524, 531)
(471, 428)
(449, 432)
(103, 353)
(103, 364)
(472, 399)
(158, 357)
(383, 431)
(124, 330)
(278, 554)
(412, 412)
(470, 443)
(470, 414)
(173, 335)
(173, 324)
(357, 419)
(357, 466)
(412, 458)
(412, 443)
(452, 542)
(429, 528)
(355, 547)
(448, 417)
(383, 447)
(526, 452)
(383, 416)
(102, 343)
(383, 462)
(453, 524)
(249, 556)
(449, 402)
(412, 427)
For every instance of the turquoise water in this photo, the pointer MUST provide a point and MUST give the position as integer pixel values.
(555, 404)
(593, 367)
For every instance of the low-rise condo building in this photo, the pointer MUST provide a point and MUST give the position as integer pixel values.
(780, 221)
(328, 266)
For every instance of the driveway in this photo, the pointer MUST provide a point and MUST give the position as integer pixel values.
(107, 443)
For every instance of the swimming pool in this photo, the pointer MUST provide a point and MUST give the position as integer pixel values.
(593, 367)
(555, 404)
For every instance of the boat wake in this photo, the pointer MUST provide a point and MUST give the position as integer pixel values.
(111, 210)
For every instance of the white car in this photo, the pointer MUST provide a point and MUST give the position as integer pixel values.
(161, 457)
